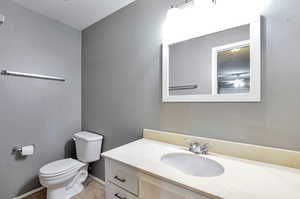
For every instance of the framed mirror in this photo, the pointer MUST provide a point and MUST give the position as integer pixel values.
(221, 65)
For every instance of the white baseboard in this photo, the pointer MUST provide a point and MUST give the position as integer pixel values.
(29, 193)
(98, 180)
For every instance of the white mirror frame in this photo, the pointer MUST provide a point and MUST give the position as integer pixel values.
(254, 94)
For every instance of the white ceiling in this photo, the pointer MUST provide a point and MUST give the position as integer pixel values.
(76, 13)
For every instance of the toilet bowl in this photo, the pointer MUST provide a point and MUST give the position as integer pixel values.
(63, 178)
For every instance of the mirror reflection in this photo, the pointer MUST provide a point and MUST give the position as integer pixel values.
(233, 70)
(190, 62)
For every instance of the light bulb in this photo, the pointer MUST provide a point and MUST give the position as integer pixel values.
(173, 13)
(238, 83)
(204, 3)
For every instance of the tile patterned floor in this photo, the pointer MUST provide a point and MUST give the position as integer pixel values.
(92, 190)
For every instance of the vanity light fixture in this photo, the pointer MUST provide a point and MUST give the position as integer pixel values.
(184, 14)
(189, 2)
(182, 4)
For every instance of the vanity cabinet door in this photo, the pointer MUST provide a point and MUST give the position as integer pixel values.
(151, 188)
(122, 175)
(114, 192)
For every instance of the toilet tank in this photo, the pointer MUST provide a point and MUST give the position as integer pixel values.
(88, 146)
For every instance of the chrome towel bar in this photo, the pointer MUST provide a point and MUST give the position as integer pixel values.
(185, 87)
(12, 73)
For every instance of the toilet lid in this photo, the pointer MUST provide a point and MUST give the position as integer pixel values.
(60, 167)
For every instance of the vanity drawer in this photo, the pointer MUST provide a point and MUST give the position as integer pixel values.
(153, 188)
(114, 192)
(122, 175)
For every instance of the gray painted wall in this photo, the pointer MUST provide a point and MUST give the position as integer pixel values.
(121, 74)
(40, 112)
(122, 82)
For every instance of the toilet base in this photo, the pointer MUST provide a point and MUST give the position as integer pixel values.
(62, 193)
(74, 187)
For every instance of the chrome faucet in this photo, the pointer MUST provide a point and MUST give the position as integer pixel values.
(197, 147)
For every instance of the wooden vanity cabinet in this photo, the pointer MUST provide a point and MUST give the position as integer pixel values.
(125, 182)
(153, 188)
(121, 175)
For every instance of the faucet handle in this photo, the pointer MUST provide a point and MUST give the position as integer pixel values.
(190, 142)
(197, 147)
(205, 145)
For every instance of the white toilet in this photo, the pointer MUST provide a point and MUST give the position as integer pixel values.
(63, 178)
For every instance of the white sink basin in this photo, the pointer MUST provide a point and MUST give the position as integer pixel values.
(192, 164)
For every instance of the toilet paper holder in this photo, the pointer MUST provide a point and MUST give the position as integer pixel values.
(18, 150)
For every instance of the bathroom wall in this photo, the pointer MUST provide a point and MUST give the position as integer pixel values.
(40, 112)
(122, 82)
(121, 75)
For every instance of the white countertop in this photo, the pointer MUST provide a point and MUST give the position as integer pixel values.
(242, 179)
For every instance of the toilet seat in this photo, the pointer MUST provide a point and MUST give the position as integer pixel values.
(60, 168)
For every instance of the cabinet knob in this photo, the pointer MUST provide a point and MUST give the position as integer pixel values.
(117, 195)
(120, 179)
